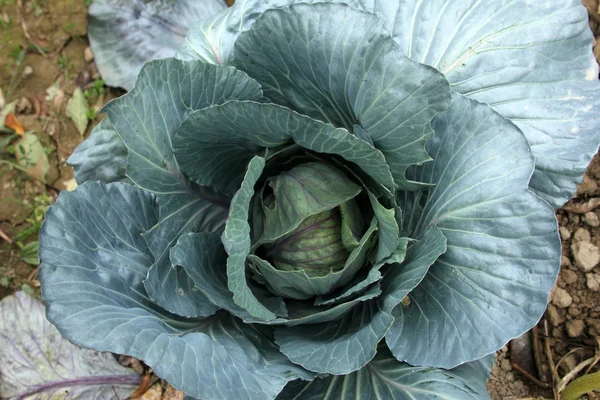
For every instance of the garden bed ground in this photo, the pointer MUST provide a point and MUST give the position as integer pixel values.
(44, 57)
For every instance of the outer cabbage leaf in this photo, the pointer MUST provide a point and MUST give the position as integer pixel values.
(385, 378)
(145, 119)
(502, 53)
(492, 283)
(320, 65)
(93, 263)
(125, 34)
(101, 157)
(37, 363)
(213, 39)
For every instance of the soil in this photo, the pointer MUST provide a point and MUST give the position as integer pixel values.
(44, 45)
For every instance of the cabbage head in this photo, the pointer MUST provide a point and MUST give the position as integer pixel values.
(329, 199)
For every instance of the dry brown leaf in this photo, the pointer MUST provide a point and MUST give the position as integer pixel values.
(13, 123)
(144, 388)
(154, 393)
(172, 394)
(70, 185)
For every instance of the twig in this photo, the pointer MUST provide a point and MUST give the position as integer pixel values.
(4, 235)
(572, 374)
(532, 378)
(537, 352)
(33, 274)
(550, 358)
(596, 357)
(26, 32)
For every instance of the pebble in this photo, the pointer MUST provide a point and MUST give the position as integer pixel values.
(27, 71)
(568, 276)
(510, 377)
(575, 328)
(24, 106)
(574, 311)
(564, 261)
(560, 298)
(505, 365)
(582, 235)
(586, 255)
(591, 218)
(565, 233)
(555, 318)
(594, 325)
(593, 282)
(88, 55)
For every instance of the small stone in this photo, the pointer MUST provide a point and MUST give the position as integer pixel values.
(574, 311)
(582, 235)
(594, 325)
(88, 56)
(593, 282)
(505, 365)
(518, 386)
(510, 377)
(565, 233)
(591, 218)
(555, 318)
(560, 298)
(564, 261)
(575, 328)
(568, 276)
(24, 106)
(574, 218)
(586, 255)
(27, 71)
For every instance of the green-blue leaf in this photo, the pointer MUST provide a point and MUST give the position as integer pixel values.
(93, 263)
(321, 65)
(101, 157)
(145, 119)
(501, 53)
(385, 378)
(492, 283)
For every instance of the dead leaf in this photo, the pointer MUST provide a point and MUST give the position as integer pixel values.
(55, 95)
(13, 123)
(77, 110)
(30, 155)
(70, 185)
(152, 393)
(172, 394)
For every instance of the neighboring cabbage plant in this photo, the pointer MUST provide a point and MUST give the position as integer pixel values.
(298, 210)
